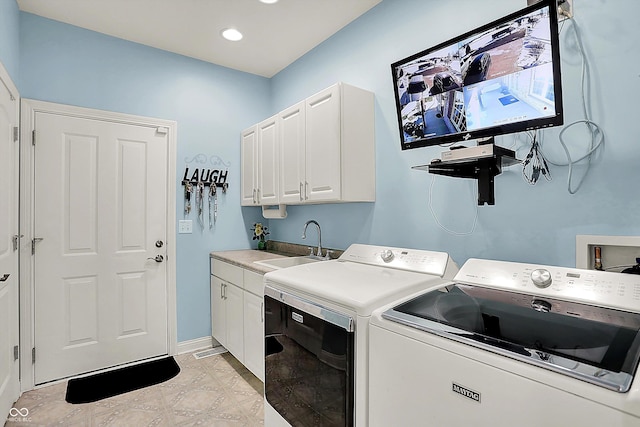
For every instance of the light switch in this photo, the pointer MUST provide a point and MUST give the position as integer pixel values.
(185, 226)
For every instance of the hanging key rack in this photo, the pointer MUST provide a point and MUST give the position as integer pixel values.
(204, 184)
(223, 185)
(195, 193)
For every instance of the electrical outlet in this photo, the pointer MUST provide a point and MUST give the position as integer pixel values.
(185, 226)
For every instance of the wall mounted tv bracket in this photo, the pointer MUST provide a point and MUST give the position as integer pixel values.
(483, 163)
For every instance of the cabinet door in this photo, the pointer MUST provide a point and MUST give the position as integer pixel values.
(253, 335)
(249, 166)
(268, 154)
(292, 154)
(235, 320)
(323, 139)
(218, 312)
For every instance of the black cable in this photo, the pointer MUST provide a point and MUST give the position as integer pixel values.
(534, 163)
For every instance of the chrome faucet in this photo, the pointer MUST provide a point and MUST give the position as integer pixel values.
(304, 236)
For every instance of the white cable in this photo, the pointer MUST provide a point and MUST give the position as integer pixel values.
(435, 217)
(597, 135)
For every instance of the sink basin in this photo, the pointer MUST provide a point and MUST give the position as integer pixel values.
(285, 262)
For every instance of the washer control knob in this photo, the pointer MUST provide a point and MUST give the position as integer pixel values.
(541, 278)
(386, 255)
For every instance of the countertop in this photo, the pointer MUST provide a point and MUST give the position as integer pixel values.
(246, 258)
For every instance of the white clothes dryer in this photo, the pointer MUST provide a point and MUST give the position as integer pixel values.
(316, 329)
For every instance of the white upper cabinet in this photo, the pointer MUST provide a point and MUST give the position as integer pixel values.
(259, 163)
(323, 143)
(340, 146)
(249, 166)
(268, 153)
(292, 154)
(324, 151)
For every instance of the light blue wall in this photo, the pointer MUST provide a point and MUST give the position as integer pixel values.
(9, 38)
(65, 64)
(528, 223)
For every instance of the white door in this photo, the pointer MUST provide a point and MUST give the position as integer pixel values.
(100, 221)
(9, 375)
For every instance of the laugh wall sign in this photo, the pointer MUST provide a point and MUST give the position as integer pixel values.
(206, 169)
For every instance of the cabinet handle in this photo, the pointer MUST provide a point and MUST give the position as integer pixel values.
(258, 193)
(306, 190)
(221, 290)
(301, 195)
(262, 312)
(254, 196)
(225, 291)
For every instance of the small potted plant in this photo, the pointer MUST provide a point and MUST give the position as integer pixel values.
(259, 233)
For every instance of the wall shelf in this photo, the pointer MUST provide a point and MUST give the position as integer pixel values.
(483, 168)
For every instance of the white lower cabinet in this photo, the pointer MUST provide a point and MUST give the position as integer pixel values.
(254, 334)
(218, 311)
(237, 320)
(234, 297)
(226, 316)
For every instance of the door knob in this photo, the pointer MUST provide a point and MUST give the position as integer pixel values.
(159, 244)
(157, 258)
(4, 277)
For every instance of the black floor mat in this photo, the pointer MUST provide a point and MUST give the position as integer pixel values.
(112, 383)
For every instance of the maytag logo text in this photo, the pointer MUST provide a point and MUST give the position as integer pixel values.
(469, 394)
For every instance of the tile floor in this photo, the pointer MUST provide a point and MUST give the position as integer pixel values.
(213, 391)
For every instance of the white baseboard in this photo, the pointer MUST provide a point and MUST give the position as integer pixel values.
(196, 344)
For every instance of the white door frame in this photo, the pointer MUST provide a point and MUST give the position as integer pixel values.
(5, 80)
(29, 108)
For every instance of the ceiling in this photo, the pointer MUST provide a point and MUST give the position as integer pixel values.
(275, 35)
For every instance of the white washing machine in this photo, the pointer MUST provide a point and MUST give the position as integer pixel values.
(508, 344)
(316, 329)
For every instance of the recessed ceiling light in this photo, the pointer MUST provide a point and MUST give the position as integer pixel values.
(231, 34)
(269, 1)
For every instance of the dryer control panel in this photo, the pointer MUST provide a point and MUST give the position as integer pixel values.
(417, 260)
(601, 288)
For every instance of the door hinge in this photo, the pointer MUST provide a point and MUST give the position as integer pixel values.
(33, 137)
(33, 244)
(15, 239)
(33, 355)
(16, 353)
(15, 133)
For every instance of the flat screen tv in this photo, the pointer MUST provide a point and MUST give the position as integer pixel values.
(503, 77)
